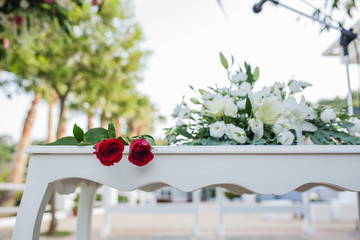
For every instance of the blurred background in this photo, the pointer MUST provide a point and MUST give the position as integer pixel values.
(129, 62)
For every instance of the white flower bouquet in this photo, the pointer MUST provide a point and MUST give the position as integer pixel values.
(278, 114)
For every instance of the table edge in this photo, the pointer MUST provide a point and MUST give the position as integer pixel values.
(193, 150)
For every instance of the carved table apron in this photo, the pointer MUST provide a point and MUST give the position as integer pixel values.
(240, 169)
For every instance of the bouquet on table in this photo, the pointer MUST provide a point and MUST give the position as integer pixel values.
(278, 114)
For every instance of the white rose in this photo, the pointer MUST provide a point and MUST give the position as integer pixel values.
(240, 138)
(356, 128)
(286, 138)
(279, 85)
(216, 106)
(236, 133)
(229, 130)
(243, 76)
(176, 110)
(245, 87)
(184, 112)
(281, 125)
(305, 84)
(238, 93)
(217, 129)
(239, 77)
(295, 86)
(230, 108)
(327, 115)
(207, 95)
(241, 104)
(179, 123)
(256, 125)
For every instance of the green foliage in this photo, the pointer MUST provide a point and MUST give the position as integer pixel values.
(122, 199)
(20, 15)
(223, 60)
(78, 133)
(98, 67)
(112, 131)
(231, 196)
(95, 135)
(6, 149)
(339, 103)
(65, 141)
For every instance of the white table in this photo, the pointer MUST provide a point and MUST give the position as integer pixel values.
(239, 169)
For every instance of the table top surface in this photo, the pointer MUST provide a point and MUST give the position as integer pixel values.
(224, 149)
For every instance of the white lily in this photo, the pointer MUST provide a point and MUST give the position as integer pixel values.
(297, 113)
(216, 106)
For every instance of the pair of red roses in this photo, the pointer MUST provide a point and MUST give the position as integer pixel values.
(110, 151)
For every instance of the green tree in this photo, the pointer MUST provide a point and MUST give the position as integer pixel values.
(7, 149)
(17, 16)
(103, 51)
(339, 103)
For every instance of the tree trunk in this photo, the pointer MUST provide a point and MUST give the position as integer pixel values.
(51, 132)
(62, 118)
(19, 160)
(133, 127)
(103, 121)
(142, 127)
(60, 133)
(118, 126)
(90, 120)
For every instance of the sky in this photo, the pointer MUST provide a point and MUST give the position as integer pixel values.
(186, 37)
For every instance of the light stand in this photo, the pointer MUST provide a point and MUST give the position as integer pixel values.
(347, 36)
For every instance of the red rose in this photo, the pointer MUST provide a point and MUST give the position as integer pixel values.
(109, 151)
(140, 152)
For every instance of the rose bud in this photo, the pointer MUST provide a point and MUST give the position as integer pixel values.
(109, 151)
(140, 152)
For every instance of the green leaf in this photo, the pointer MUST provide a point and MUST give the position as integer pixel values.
(150, 139)
(182, 131)
(203, 132)
(64, 141)
(78, 133)
(194, 100)
(248, 107)
(346, 124)
(202, 91)
(95, 135)
(223, 60)
(124, 141)
(111, 130)
(256, 74)
(85, 144)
